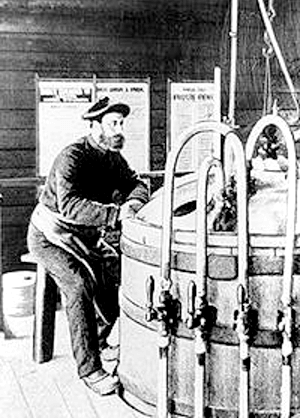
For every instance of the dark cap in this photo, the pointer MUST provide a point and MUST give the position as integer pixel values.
(102, 107)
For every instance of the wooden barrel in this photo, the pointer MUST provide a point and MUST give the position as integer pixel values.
(139, 352)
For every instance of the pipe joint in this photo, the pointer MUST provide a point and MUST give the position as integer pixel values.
(245, 319)
(166, 312)
(200, 315)
(285, 325)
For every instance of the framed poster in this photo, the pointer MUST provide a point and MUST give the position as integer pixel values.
(60, 106)
(190, 102)
(134, 93)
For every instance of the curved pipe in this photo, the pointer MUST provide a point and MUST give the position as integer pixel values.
(201, 279)
(279, 55)
(283, 126)
(233, 146)
(286, 298)
(167, 230)
(201, 220)
(167, 224)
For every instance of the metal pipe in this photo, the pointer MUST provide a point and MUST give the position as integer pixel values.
(166, 245)
(267, 53)
(286, 297)
(163, 381)
(234, 145)
(201, 220)
(186, 136)
(233, 62)
(270, 31)
(201, 282)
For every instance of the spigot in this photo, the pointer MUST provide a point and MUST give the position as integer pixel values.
(205, 316)
(245, 317)
(169, 313)
(285, 320)
(241, 315)
(199, 313)
(164, 315)
(166, 312)
(285, 325)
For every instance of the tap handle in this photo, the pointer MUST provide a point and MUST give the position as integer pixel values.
(191, 304)
(241, 296)
(150, 293)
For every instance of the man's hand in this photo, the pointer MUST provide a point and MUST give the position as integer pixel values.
(129, 209)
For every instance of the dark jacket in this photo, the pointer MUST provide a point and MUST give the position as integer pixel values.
(84, 179)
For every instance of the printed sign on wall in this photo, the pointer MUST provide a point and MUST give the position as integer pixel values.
(61, 104)
(189, 103)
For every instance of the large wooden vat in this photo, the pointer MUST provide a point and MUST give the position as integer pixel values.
(139, 352)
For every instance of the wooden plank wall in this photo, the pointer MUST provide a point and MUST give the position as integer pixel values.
(64, 38)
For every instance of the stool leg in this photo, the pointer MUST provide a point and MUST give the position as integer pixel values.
(44, 318)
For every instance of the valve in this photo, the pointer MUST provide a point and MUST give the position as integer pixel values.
(163, 311)
(199, 313)
(285, 320)
(167, 311)
(285, 325)
(245, 317)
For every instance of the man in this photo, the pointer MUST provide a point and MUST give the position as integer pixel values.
(74, 233)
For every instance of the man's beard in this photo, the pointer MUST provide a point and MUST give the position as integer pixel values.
(117, 142)
(114, 143)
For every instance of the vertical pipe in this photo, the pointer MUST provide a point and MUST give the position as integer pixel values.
(288, 279)
(217, 112)
(233, 62)
(201, 221)
(234, 145)
(201, 288)
(201, 281)
(163, 383)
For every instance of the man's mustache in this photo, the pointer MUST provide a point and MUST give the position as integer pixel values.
(118, 137)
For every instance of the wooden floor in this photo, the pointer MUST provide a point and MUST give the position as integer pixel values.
(52, 389)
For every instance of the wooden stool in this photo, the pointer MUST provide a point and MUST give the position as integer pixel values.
(44, 312)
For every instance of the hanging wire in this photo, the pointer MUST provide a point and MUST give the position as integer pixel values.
(280, 58)
(268, 52)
